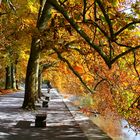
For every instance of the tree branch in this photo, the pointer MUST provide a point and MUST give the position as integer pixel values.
(126, 26)
(84, 10)
(95, 11)
(123, 45)
(99, 83)
(96, 25)
(80, 31)
(107, 19)
(62, 3)
(124, 53)
(41, 5)
(1, 14)
(136, 100)
(71, 68)
(134, 64)
(10, 4)
(47, 65)
(45, 16)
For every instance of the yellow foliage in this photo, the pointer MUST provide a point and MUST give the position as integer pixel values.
(28, 22)
(33, 8)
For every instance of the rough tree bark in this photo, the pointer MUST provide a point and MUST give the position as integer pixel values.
(8, 79)
(13, 76)
(31, 76)
(39, 83)
(31, 82)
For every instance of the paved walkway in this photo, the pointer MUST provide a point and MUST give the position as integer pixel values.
(64, 122)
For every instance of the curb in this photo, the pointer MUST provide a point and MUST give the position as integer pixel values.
(92, 131)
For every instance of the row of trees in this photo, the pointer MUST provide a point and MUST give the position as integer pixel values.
(97, 41)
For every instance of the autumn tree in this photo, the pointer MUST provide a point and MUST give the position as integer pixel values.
(104, 21)
(7, 43)
(31, 83)
(97, 19)
(14, 40)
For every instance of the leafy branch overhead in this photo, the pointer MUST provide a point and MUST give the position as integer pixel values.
(112, 37)
(72, 69)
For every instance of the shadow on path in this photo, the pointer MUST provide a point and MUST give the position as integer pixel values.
(61, 124)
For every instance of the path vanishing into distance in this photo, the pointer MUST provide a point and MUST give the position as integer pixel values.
(64, 121)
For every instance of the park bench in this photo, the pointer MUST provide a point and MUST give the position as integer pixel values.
(40, 120)
(47, 98)
(45, 103)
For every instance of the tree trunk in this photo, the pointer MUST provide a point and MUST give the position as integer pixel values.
(13, 76)
(31, 82)
(8, 78)
(31, 76)
(39, 83)
(17, 84)
(36, 82)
